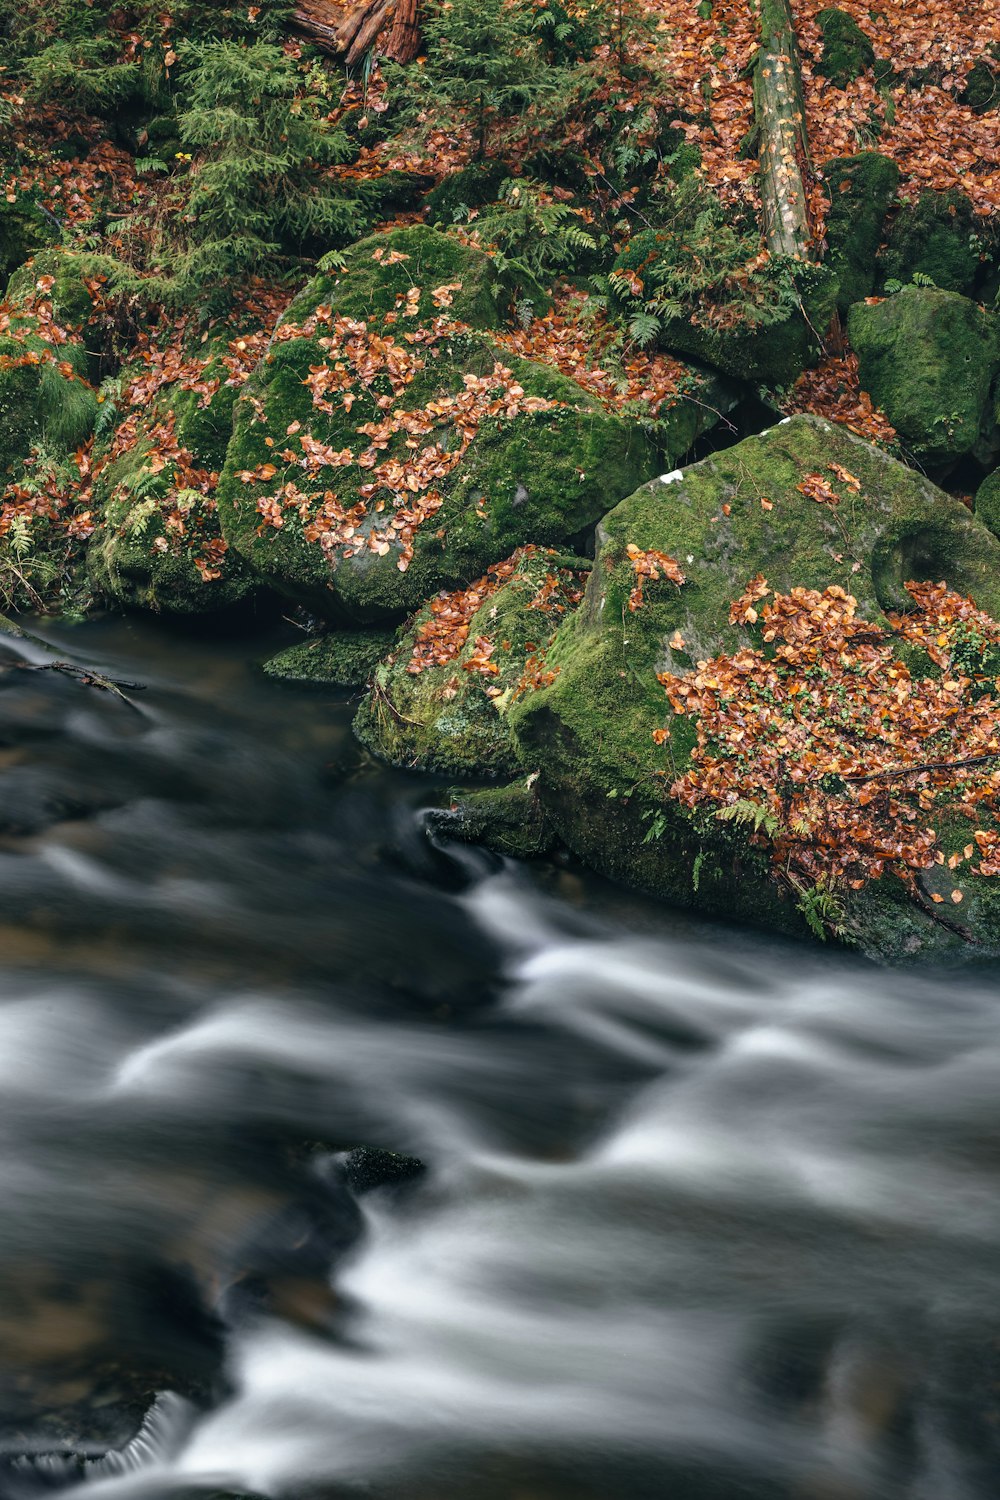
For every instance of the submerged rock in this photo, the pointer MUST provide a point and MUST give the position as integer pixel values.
(805, 506)
(386, 448)
(440, 700)
(928, 359)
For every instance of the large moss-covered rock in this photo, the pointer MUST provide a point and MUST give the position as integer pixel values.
(158, 545)
(860, 189)
(383, 449)
(928, 358)
(440, 699)
(605, 779)
(938, 237)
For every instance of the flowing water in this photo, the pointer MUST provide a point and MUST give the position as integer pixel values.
(702, 1215)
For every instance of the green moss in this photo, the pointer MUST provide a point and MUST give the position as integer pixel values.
(145, 554)
(847, 51)
(367, 288)
(982, 86)
(604, 781)
(928, 358)
(768, 322)
(508, 819)
(987, 502)
(453, 717)
(936, 237)
(861, 190)
(344, 658)
(23, 232)
(470, 187)
(539, 476)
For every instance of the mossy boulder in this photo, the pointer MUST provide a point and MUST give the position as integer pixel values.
(928, 359)
(24, 230)
(604, 778)
(343, 658)
(847, 52)
(937, 238)
(469, 187)
(383, 450)
(763, 325)
(158, 545)
(440, 699)
(987, 502)
(861, 190)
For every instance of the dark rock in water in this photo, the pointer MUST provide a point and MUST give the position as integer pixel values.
(369, 1167)
(508, 819)
(928, 359)
(343, 658)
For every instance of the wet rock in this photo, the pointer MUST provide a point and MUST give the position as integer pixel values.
(937, 238)
(370, 1167)
(508, 819)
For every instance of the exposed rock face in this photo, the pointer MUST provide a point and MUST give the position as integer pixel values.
(862, 522)
(928, 359)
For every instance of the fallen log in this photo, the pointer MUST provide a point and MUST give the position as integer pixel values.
(353, 33)
(779, 113)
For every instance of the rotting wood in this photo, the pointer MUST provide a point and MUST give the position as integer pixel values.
(354, 31)
(780, 121)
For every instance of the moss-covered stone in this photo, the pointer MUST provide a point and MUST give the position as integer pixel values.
(928, 358)
(340, 524)
(982, 86)
(343, 658)
(440, 700)
(774, 317)
(987, 502)
(604, 781)
(24, 230)
(937, 237)
(847, 52)
(46, 398)
(470, 187)
(507, 819)
(159, 546)
(861, 190)
(395, 192)
(367, 287)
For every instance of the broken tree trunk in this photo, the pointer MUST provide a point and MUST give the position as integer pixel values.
(329, 28)
(404, 38)
(781, 132)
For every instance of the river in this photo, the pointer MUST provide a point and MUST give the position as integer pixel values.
(702, 1215)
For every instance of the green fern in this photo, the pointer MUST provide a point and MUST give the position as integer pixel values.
(750, 814)
(822, 908)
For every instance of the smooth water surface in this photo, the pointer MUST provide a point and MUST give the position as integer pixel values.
(703, 1216)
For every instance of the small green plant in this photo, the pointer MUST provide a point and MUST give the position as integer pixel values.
(531, 233)
(822, 908)
(750, 814)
